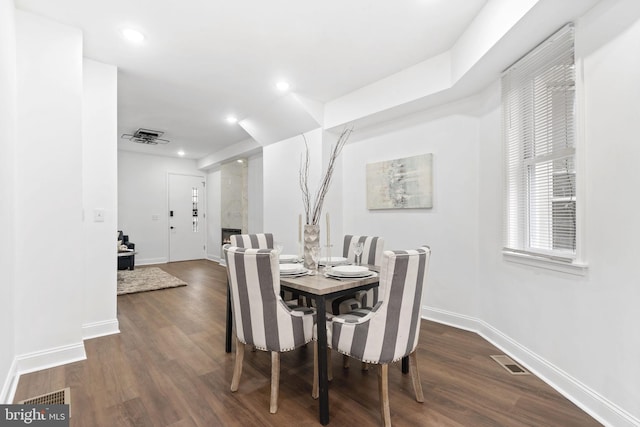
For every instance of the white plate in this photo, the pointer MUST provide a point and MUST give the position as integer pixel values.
(288, 258)
(334, 260)
(349, 270)
(288, 269)
(285, 276)
(337, 276)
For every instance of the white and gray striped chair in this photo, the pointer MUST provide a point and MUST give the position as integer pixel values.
(388, 331)
(371, 255)
(262, 318)
(373, 248)
(263, 241)
(255, 241)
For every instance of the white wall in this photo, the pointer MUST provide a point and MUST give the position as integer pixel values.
(580, 333)
(99, 192)
(214, 214)
(7, 194)
(450, 228)
(49, 243)
(282, 197)
(142, 195)
(256, 190)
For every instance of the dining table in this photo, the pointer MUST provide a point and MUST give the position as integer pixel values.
(321, 288)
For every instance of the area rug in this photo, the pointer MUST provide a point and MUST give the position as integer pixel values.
(146, 279)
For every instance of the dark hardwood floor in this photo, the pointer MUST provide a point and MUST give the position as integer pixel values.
(168, 367)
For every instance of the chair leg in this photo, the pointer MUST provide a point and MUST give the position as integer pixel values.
(275, 381)
(383, 389)
(237, 369)
(345, 361)
(415, 376)
(315, 393)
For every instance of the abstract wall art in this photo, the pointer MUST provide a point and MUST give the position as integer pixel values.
(401, 183)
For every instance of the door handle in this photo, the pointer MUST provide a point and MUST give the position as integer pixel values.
(171, 227)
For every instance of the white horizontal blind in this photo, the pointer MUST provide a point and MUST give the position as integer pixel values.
(538, 94)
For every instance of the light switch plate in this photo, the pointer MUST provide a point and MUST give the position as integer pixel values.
(98, 215)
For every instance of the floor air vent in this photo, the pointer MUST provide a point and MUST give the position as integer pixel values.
(512, 367)
(60, 397)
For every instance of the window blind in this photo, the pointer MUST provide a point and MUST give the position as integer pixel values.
(538, 122)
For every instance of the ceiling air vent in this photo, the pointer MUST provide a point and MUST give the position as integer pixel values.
(146, 136)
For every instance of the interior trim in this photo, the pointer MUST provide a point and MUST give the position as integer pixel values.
(100, 329)
(597, 406)
(575, 268)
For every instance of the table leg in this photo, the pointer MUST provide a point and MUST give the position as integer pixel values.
(321, 322)
(405, 365)
(227, 346)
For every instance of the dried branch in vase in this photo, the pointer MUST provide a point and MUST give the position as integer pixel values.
(313, 212)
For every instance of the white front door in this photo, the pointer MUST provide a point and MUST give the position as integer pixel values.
(186, 217)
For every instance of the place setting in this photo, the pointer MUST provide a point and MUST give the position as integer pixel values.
(293, 270)
(348, 272)
(286, 258)
(333, 261)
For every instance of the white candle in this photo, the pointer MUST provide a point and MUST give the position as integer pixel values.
(328, 232)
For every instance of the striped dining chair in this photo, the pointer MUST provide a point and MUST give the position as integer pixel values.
(255, 241)
(263, 241)
(262, 318)
(388, 331)
(371, 255)
(373, 247)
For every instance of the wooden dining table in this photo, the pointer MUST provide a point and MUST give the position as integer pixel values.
(320, 289)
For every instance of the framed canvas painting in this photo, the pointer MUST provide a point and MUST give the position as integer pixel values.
(401, 183)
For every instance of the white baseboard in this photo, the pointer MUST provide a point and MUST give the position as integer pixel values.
(50, 358)
(37, 361)
(100, 329)
(10, 384)
(214, 258)
(151, 261)
(599, 407)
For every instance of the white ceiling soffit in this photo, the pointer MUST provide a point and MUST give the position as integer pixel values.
(501, 33)
(286, 117)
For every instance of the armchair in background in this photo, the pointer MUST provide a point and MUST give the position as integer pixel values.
(126, 257)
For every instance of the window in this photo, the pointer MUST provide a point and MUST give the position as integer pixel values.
(538, 122)
(194, 209)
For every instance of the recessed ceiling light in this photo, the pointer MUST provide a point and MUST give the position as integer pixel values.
(282, 86)
(180, 153)
(240, 161)
(232, 119)
(132, 35)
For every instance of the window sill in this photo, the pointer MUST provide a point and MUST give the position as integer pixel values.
(575, 268)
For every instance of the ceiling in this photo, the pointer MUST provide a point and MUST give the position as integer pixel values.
(202, 60)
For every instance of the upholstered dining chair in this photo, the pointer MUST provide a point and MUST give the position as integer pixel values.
(261, 241)
(262, 318)
(373, 247)
(388, 331)
(371, 255)
(255, 241)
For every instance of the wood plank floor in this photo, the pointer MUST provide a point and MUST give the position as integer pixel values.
(168, 367)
